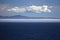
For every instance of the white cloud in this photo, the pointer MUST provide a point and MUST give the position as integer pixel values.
(32, 8)
(7, 10)
(17, 9)
(38, 9)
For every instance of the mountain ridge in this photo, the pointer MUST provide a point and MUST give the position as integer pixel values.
(25, 17)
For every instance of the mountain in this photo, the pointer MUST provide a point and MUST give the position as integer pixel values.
(17, 16)
(25, 17)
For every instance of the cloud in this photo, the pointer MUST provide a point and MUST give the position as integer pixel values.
(17, 9)
(39, 9)
(32, 8)
(7, 10)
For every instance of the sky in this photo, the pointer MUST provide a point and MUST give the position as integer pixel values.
(30, 8)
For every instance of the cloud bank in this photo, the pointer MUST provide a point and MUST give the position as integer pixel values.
(16, 9)
(7, 10)
(32, 8)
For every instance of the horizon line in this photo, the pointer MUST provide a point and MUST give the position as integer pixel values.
(29, 20)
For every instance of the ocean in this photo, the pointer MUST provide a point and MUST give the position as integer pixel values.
(29, 30)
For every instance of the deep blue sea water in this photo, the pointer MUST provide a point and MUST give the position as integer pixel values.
(29, 31)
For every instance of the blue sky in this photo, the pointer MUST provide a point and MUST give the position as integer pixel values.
(30, 2)
(9, 4)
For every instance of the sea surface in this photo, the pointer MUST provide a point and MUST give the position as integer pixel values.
(30, 31)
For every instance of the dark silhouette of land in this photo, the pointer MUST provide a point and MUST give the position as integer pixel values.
(25, 17)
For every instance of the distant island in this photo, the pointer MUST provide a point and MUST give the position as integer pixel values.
(25, 17)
